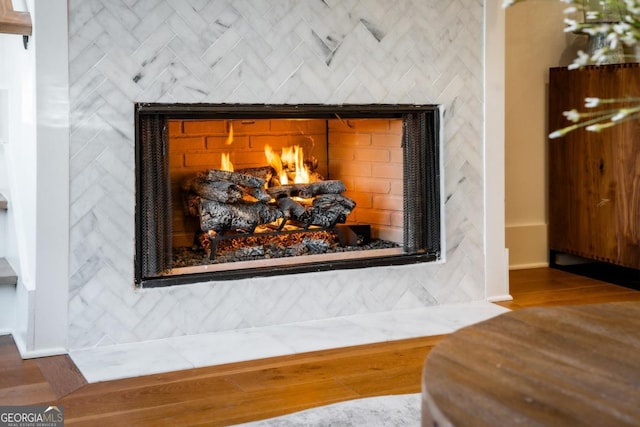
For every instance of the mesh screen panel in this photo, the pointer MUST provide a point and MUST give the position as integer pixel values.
(154, 197)
(421, 182)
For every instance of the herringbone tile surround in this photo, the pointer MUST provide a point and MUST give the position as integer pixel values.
(261, 51)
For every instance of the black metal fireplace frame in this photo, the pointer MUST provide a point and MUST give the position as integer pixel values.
(422, 237)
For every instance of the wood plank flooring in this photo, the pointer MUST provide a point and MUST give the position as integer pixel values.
(241, 392)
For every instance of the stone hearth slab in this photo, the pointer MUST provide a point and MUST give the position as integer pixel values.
(194, 351)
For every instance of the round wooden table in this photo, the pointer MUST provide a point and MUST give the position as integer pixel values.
(549, 366)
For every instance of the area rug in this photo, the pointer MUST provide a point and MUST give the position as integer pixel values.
(383, 411)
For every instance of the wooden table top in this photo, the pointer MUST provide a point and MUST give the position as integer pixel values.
(547, 366)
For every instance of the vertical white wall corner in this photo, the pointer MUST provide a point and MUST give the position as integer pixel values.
(23, 330)
(4, 119)
(7, 292)
(504, 283)
(507, 262)
(52, 112)
(7, 309)
(4, 179)
(496, 256)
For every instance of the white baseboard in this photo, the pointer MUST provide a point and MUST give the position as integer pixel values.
(499, 298)
(529, 266)
(32, 354)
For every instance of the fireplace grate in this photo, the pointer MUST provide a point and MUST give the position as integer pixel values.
(346, 234)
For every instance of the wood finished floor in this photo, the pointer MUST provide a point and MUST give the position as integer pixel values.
(241, 392)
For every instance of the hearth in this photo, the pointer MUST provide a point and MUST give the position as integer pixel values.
(234, 191)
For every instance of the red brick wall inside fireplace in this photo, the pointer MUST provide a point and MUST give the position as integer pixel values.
(365, 154)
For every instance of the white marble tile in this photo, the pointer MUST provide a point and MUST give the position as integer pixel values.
(406, 323)
(228, 347)
(128, 360)
(457, 316)
(193, 351)
(330, 333)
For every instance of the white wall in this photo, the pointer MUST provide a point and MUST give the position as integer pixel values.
(7, 292)
(535, 41)
(7, 243)
(16, 74)
(37, 169)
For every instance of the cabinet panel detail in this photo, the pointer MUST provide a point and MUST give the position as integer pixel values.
(594, 177)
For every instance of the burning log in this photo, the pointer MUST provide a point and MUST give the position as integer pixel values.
(263, 172)
(327, 201)
(326, 210)
(291, 208)
(258, 193)
(239, 202)
(233, 177)
(239, 216)
(330, 209)
(221, 191)
(307, 191)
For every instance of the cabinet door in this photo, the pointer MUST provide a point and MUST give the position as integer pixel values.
(594, 177)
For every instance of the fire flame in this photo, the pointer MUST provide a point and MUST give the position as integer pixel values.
(226, 163)
(230, 136)
(276, 163)
(292, 157)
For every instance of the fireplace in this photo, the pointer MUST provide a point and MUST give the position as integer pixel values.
(226, 52)
(217, 198)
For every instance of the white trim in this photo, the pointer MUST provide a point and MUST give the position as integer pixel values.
(441, 166)
(499, 298)
(496, 255)
(529, 266)
(32, 354)
(52, 223)
(4, 115)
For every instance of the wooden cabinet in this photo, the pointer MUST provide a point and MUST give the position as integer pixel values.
(594, 177)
